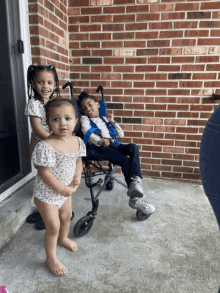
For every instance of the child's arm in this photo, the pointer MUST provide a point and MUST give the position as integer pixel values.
(119, 131)
(37, 126)
(52, 182)
(78, 173)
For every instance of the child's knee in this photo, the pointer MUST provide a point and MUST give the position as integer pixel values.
(53, 228)
(65, 217)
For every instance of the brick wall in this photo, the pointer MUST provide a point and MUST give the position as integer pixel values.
(48, 23)
(158, 61)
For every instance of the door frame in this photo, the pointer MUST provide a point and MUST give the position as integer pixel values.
(26, 60)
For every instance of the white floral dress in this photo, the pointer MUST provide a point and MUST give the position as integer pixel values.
(62, 166)
(36, 108)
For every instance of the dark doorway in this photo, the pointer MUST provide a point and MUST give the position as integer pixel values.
(14, 155)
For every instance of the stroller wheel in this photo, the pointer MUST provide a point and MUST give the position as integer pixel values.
(141, 216)
(110, 184)
(83, 226)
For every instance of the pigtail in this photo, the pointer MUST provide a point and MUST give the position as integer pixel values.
(51, 68)
(30, 76)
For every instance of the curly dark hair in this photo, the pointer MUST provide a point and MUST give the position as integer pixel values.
(33, 70)
(56, 103)
(84, 95)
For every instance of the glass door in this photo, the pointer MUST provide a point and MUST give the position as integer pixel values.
(14, 140)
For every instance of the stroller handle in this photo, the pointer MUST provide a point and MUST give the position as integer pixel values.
(71, 87)
(102, 90)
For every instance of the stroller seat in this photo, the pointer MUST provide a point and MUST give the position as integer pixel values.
(84, 224)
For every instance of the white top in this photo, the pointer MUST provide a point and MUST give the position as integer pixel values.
(95, 138)
(62, 167)
(36, 108)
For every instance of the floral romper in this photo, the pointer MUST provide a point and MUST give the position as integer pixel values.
(36, 108)
(62, 167)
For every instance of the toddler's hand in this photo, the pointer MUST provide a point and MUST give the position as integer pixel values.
(110, 118)
(104, 142)
(68, 191)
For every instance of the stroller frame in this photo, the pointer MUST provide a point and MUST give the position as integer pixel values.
(85, 223)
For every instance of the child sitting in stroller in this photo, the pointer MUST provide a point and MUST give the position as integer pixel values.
(125, 155)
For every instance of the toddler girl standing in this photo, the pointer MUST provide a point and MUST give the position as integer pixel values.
(59, 174)
(42, 83)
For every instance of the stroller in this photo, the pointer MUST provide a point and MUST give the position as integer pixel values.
(84, 224)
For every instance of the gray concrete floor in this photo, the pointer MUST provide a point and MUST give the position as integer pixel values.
(175, 250)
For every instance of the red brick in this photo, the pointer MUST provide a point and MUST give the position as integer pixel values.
(173, 150)
(116, 2)
(123, 36)
(114, 60)
(74, 45)
(158, 43)
(121, 99)
(101, 18)
(161, 7)
(147, 35)
(145, 68)
(209, 24)
(143, 52)
(121, 84)
(137, 8)
(144, 84)
(113, 27)
(158, 60)
(172, 15)
(74, 3)
(134, 106)
(165, 114)
(133, 76)
(79, 37)
(178, 92)
(136, 26)
(102, 53)
(123, 68)
(212, 84)
(101, 68)
(171, 34)
(91, 10)
(142, 99)
(112, 10)
(205, 59)
(164, 128)
(137, 61)
(78, 19)
(123, 18)
(186, 24)
(90, 76)
(148, 16)
(165, 100)
(111, 76)
(208, 42)
(194, 67)
(80, 53)
(73, 11)
(133, 92)
(187, 6)
(171, 51)
(184, 42)
(187, 115)
(90, 28)
(112, 44)
(157, 76)
(167, 84)
(182, 59)
(212, 5)
(135, 44)
(100, 36)
(144, 113)
(90, 45)
(160, 25)
(204, 76)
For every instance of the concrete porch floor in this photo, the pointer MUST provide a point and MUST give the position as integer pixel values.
(176, 250)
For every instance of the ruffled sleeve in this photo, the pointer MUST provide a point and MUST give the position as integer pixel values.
(33, 108)
(82, 148)
(43, 155)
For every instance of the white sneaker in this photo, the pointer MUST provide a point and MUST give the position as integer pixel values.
(142, 205)
(135, 187)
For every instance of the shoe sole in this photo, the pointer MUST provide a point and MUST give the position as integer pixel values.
(141, 210)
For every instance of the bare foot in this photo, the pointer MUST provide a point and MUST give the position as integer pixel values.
(70, 244)
(56, 267)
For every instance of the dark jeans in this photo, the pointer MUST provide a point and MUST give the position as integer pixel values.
(209, 166)
(118, 155)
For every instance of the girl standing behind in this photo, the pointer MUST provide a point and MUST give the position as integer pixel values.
(42, 83)
(59, 174)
